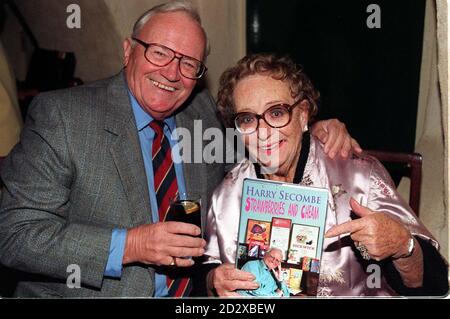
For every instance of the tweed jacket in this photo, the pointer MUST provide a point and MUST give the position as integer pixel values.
(78, 173)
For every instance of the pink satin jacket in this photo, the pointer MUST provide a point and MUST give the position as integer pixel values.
(361, 177)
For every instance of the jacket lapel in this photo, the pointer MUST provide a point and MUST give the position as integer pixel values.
(126, 150)
(189, 120)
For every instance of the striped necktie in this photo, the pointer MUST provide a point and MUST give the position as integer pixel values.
(166, 187)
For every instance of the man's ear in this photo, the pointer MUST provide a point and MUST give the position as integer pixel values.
(127, 51)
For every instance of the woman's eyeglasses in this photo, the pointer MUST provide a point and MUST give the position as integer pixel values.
(276, 116)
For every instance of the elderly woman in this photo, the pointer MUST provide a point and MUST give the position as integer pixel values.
(270, 102)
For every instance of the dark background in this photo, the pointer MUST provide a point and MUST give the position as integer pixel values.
(368, 78)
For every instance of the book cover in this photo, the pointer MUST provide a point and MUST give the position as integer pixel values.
(293, 257)
(258, 231)
(288, 217)
(285, 275)
(279, 237)
(295, 279)
(243, 250)
(304, 239)
(253, 249)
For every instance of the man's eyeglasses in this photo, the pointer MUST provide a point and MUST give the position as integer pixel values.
(160, 55)
(272, 258)
(276, 116)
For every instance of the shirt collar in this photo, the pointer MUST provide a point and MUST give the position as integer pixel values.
(264, 264)
(143, 119)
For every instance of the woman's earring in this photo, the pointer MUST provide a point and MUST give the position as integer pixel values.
(305, 128)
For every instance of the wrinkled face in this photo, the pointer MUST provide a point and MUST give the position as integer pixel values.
(161, 90)
(275, 148)
(273, 259)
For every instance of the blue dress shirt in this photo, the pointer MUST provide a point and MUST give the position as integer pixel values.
(146, 136)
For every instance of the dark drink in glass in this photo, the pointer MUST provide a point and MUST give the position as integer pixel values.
(186, 210)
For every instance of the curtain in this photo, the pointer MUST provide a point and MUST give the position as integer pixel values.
(433, 123)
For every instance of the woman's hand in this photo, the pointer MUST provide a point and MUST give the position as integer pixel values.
(226, 279)
(380, 234)
(335, 137)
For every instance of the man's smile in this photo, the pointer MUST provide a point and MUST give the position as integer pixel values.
(162, 86)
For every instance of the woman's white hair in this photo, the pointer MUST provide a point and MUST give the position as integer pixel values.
(172, 6)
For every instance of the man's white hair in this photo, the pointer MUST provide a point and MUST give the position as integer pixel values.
(172, 6)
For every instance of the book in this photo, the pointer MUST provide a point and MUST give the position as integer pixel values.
(288, 217)
(285, 275)
(304, 239)
(279, 237)
(243, 249)
(253, 250)
(295, 279)
(258, 231)
(294, 257)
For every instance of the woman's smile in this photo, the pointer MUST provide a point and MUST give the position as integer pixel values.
(268, 149)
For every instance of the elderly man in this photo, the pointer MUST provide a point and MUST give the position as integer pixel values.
(87, 188)
(267, 275)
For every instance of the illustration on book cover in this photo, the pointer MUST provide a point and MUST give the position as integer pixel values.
(280, 238)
